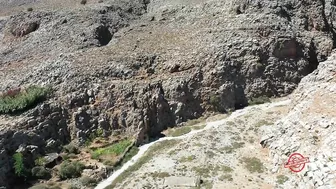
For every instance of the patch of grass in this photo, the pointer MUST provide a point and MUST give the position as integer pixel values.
(70, 169)
(179, 131)
(259, 100)
(253, 164)
(187, 159)
(128, 156)
(114, 149)
(155, 149)
(19, 100)
(227, 177)
(281, 179)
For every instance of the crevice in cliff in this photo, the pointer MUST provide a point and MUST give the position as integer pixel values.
(329, 25)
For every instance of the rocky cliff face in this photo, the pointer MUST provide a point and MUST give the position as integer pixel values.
(309, 129)
(143, 66)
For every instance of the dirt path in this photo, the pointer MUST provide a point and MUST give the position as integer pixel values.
(224, 154)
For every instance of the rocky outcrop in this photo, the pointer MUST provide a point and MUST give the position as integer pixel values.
(41, 131)
(309, 128)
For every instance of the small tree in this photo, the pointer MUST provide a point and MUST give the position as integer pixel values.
(18, 164)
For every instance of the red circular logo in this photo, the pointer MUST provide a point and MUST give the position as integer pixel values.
(296, 162)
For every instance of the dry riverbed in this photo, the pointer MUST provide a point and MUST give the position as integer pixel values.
(222, 154)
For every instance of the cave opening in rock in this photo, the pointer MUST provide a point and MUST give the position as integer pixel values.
(103, 35)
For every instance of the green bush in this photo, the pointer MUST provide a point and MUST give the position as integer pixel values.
(71, 149)
(40, 161)
(70, 169)
(18, 100)
(88, 181)
(41, 173)
(29, 9)
(83, 2)
(18, 164)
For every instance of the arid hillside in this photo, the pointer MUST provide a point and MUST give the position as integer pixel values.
(97, 75)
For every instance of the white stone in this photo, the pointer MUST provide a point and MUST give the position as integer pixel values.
(175, 181)
(312, 167)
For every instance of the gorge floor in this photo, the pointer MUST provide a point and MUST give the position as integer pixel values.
(226, 153)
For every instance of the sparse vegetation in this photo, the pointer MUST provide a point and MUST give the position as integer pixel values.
(157, 148)
(259, 100)
(44, 186)
(225, 168)
(179, 131)
(281, 179)
(160, 175)
(41, 173)
(232, 148)
(187, 159)
(88, 181)
(29, 9)
(70, 169)
(128, 156)
(253, 164)
(40, 161)
(115, 149)
(227, 177)
(214, 101)
(19, 100)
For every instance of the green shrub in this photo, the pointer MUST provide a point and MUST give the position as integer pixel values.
(18, 164)
(71, 149)
(19, 100)
(115, 149)
(29, 9)
(40, 161)
(88, 181)
(41, 173)
(70, 169)
(83, 2)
